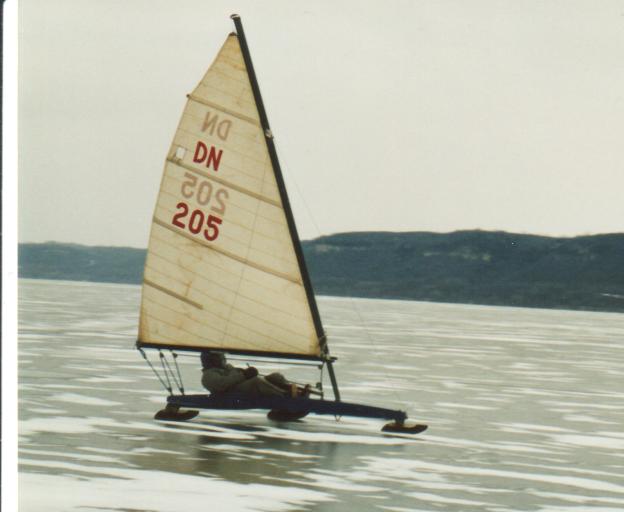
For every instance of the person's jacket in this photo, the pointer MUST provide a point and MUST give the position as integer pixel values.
(218, 380)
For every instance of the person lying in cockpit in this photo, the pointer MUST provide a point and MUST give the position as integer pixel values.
(219, 377)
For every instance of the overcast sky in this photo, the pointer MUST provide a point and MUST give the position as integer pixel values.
(388, 115)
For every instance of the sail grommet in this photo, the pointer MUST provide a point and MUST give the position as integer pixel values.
(268, 133)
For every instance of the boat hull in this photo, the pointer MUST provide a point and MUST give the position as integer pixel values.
(239, 401)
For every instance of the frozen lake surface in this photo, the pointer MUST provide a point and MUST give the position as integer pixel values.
(525, 411)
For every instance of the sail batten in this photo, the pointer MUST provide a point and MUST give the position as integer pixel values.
(223, 268)
(192, 329)
(220, 312)
(172, 294)
(234, 337)
(224, 110)
(230, 255)
(224, 277)
(232, 186)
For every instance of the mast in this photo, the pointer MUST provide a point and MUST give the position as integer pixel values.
(268, 136)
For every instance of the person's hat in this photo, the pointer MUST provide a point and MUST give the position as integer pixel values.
(210, 357)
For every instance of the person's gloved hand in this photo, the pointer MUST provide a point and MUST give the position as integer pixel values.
(250, 372)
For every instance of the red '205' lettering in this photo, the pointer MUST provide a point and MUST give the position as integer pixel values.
(197, 221)
(180, 215)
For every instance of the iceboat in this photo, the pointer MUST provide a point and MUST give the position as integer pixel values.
(224, 268)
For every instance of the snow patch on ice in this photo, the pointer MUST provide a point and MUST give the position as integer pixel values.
(464, 406)
(61, 425)
(594, 441)
(582, 418)
(85, 400)
(393, 465)
(127, 489)
(436, 499)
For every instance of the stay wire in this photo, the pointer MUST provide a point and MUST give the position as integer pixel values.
(318, 232)
(177, 380)
(149, 363)
(162, 358)
(375, 346)
(292, 178)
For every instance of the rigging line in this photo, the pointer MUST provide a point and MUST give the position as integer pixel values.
(319, 234)
(170, 371)
(376, 346)
(175, 360)
(294, 363)
(292, 178)
(162, 357)
(154, 370)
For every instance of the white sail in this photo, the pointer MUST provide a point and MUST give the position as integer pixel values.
(221, 269)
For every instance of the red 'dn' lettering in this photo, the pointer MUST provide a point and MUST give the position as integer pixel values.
(211, 156)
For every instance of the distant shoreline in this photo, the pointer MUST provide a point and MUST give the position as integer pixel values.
(465, 267)
(343, 297)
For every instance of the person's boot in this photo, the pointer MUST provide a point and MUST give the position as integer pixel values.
(305, 391)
